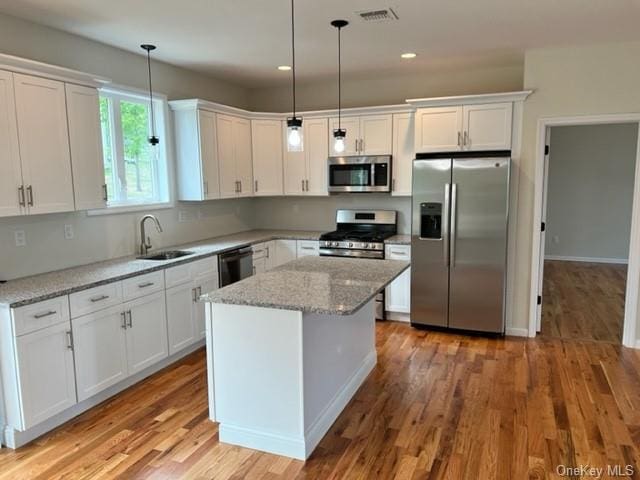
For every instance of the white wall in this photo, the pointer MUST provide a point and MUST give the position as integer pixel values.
(590, 191)
(598, 79)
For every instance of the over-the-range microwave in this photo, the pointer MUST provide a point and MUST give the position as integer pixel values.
(371, 173)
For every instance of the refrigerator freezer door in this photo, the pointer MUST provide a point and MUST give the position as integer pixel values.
(480, 193)
(430, 242)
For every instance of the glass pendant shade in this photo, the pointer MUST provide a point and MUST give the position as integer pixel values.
(295, 141)
(338, 140)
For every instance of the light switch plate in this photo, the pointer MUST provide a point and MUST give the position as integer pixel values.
(68, 232)
(20, 237)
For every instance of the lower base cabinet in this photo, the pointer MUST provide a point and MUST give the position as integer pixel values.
(284, 251)
(180, 316)
(398, 294)
(203, 285)
(146, 331)
(45, 374)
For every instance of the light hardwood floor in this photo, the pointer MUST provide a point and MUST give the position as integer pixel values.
(437, 406)
(583, 300)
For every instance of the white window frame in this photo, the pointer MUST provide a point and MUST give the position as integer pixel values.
(163, 169)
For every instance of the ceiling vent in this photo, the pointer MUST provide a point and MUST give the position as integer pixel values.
(378, 15)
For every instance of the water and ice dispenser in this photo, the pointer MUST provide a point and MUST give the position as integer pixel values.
(431, 220)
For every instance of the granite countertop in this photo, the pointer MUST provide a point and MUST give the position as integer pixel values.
(36, 288)
(325, 285)
(399, 240)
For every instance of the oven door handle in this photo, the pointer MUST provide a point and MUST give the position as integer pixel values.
(235, 257)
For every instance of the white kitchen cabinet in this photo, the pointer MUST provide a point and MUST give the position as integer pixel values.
(403, 153)
(197, 155)
(180, 316)
(202, 285)
(305, 172)
(308, 248)
(266, 141)
(147, 341)
(234, 156)
(284, 251)
(100, 350)
(263, 256)
(398, 293)
(85, 142)
(46, 378)
(11, 185)
(464, 128)
(44, 144)
(366, 135)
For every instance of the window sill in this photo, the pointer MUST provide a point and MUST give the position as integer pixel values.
(118, 209)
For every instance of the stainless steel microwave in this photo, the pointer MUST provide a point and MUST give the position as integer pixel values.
(370, 173)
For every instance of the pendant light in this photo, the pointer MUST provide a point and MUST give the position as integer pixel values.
(294, 124)
(153, 140)
(340, 133)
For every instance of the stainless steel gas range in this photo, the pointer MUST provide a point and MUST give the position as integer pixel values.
(361, 234)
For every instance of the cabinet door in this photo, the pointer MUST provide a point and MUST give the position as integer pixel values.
(376, 134)
(181, 303)
(270, 259)
(44, 144)
(85, 141)
(208, 154)
(226, 162)
(284, 252)
(438, 129)
(242, 156)
(403, 153)
(295, 168)
(100, 350)
(487, 127)
(308, 248)
(147, 331)
(203, 285)
(316, 152)
(45, 372)
(351, 141)
(266, 143)
(398, 294)
(10, 168)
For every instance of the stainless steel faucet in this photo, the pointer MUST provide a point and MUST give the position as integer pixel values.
(145, 242)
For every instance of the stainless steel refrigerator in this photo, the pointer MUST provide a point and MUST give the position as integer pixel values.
(459, 240)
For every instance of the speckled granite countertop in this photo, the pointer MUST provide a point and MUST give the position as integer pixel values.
(399, 240)
(325, 285)
(27, 290)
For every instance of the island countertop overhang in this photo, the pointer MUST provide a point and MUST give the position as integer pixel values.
(323, 285)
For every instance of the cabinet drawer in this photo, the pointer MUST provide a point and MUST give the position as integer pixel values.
(260, 250)
(142, 285)
(41, 315)
(308, 247)
(398, 252)
(190, 271)
(177, 275)
(94, 299)
(205, 267)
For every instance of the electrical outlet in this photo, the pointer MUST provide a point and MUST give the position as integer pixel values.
(68, 232)
(20, 237)
(556, 239)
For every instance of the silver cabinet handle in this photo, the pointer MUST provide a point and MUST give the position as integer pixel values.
(21, 200)
(466, 141)
(395, 252)
(459, 139)
(268, 252)
(145, 285)
(99, 299)
(361, 145)
(194, 294)
(70, 340)
(307, 184)
(254, 269)
(45, 314)
(123, 315)
(240, 186)
(130, 325)
(307, 248)
(302, 184)
(454, 221)
(356, 146)
(445, 224)
(105, 192)
(393, 185)
(30, 195)
(199, 292)
(256, 185)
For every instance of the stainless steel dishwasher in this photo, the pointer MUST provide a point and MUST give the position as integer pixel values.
(235, 265)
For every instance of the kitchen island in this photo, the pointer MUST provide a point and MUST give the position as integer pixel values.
(287, 349)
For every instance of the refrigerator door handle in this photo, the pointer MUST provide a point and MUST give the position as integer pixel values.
(454, 221)
(445, 224)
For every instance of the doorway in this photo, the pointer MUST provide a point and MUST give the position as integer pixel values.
(588, 194)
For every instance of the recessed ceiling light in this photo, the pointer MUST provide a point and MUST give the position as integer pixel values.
(409, 55)
(284, 68)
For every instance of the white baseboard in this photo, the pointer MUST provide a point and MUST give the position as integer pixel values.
(398, 316)
(300, 447)
(15, 438)
(566, 258)
(516, 332)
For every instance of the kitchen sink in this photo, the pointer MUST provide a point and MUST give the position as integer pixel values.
(166, 255)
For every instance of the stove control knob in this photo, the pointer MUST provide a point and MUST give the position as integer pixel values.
(369, 245)
(334, 244)
(350, 245)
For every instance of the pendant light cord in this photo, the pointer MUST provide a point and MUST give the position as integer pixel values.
(339, 81)
(153, 123)
(293, 54)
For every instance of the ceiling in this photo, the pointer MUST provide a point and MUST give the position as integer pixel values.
(243, 41)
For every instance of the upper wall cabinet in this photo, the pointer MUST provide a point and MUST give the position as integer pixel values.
(44, 144)
(403, 153)
(196, 146)
(266, 140)
(85, 139)
(234, 156)
(305, 173)
(11, 185)
(468, 127)
(366, 135)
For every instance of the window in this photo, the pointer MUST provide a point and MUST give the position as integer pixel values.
(135, 172)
